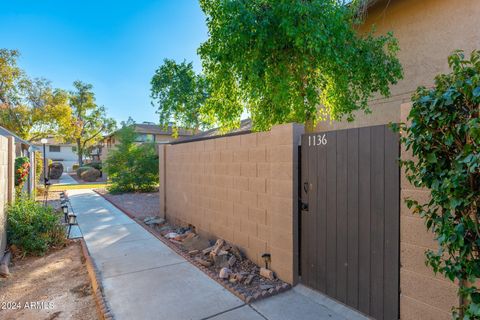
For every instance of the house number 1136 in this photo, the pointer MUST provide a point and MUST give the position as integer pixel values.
(317, 140)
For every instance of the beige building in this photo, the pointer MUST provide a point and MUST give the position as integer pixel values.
(428, 31)
(146, 132)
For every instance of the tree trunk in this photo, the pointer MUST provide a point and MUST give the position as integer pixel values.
(309, 127)
(79, 153)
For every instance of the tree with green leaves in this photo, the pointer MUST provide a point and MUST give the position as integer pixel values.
(444, 137)
(132, 166)
(89, 121)
(292, 60)
(29, 107)
(179, 94)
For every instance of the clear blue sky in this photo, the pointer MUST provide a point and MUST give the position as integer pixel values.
(114, 45)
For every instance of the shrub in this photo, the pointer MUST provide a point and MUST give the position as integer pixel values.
(131, 166)
(90, 175)
(95, 164)
(32, 227)
(444, 138)
(22, 167)
(81, 170)
(38, 167)
(55, 170)
(75, 167)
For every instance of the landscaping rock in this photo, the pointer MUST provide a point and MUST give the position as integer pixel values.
(266, 273)
(238, 277)
(171, 235)
(55, 170)
(90, 175)
(224, 273)
(81, 170)
(236, 252)
(207, 250)
(232, 261)
(203, 262)
(221, 261)
(249, 279)
(218, 246)
(155, 220)
(195, 243)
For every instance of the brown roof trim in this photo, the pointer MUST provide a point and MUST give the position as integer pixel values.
(231, 134)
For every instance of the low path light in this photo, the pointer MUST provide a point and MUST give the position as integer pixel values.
(65, 212)
(72, 221)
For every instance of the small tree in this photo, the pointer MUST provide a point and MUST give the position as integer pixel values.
(282, 59)
(88, 122)
(29, 107)
(179, 94)
(444, 137)
(132, 166)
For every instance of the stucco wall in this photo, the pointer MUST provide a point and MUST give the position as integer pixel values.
(423, 295)
(7, 158)
(66, 156)
(427, 32)
(241, 188)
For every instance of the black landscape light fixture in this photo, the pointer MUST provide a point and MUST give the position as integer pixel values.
(65, 212)
(72, 221)
(267, 257)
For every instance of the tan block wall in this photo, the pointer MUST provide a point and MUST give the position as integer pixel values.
(240, 188)
(428, 31)
(7, 158)
(423, 295)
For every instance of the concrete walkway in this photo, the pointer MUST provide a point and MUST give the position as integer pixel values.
(145, 279)
(66, 179)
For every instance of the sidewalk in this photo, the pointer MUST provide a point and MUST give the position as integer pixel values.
(145, 279)
(66, 179)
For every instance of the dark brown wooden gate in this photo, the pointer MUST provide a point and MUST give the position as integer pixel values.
(350, 198)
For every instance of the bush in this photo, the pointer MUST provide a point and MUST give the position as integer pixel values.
(131, 166)
(22, 167)
(444, 138)
(75, 167)
(90, 175)
(55, 170)
(95, 164)
(33, 228)
(38, 168)
(81, 170)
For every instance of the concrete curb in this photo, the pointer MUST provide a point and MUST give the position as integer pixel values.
(103, 309)
(223, 282)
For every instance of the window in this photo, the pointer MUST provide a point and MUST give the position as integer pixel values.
(145, 137)
(54, 148)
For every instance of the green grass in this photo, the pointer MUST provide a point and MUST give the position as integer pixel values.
(61, 187)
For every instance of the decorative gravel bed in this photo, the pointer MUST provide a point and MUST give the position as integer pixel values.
(139, 205)
(222, 261)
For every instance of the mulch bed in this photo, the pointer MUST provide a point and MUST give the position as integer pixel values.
(239, 275)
